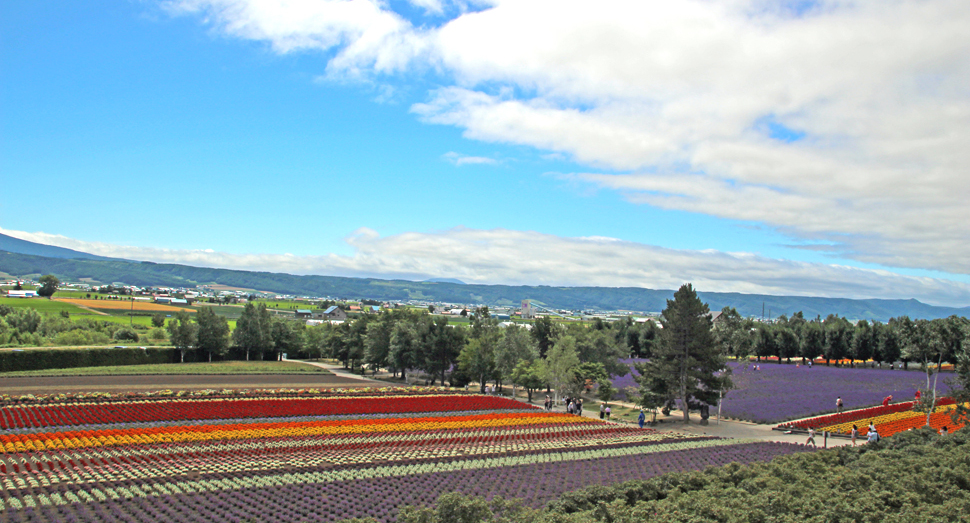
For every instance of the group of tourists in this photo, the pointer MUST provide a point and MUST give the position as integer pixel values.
(574, 406)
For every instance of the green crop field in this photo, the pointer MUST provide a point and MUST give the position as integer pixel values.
(284, 305)
(229, 311)
(216, 367)
(43, 305)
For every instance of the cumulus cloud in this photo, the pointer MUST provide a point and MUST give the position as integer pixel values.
(843, 122)
(501, 256)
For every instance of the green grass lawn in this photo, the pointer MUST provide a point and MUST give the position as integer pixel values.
(619, 413)
(219, 367)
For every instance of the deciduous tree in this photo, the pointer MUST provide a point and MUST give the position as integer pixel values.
(213, 334)
(561, 363)
(48, 285)
(182, 333)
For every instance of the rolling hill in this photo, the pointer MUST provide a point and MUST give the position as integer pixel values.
(573, 298)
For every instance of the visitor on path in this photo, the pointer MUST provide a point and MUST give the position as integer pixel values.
(855, 434)
(579, 407)
(641, 419)
(602, 410)
(811, 437)
(607, 412)
(943, 431)
(838, 404)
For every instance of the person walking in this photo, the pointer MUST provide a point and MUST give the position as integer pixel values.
(838, 404)
(607, 412)
(641, 419)
(855, 434)
(811, 437)
(602, 410)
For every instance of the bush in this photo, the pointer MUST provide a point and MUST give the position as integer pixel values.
(126, 334)
(157, 334)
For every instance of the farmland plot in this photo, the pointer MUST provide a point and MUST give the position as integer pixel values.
(315, 455)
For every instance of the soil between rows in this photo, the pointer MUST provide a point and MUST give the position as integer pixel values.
(54, 384)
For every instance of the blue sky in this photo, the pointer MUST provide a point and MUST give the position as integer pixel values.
(453, 139)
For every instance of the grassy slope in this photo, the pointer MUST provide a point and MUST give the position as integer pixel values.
(221, 367)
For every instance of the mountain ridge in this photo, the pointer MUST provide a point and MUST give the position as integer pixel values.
(572, 298)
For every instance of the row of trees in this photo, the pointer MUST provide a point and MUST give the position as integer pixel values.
(835, 338)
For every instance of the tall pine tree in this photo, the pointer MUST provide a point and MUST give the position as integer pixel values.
(686, 364)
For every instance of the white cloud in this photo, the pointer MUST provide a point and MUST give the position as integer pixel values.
(681, 97)
(460, 159)
(502, 256)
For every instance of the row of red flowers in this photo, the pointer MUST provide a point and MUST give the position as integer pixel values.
(177, 410)
(856, 415)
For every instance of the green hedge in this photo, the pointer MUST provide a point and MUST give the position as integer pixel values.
(40, 359)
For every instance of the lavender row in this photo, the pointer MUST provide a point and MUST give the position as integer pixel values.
(780, 392)
(382, 498)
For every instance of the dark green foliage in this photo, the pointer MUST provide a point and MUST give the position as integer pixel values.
(254, 330)
(126, 334)
(182, 332)
(914, 476)
(40, 359)
(213, 332)
(48, 285)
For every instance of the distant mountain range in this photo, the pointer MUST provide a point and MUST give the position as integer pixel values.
(74, 267)
(11, 244)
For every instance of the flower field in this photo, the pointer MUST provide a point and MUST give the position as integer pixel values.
(315, 456)
(780, 392)
(889, 420)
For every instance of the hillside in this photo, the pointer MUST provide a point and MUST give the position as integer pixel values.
(16, 245)
(574, 298)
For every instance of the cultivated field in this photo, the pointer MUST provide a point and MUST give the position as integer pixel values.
(317, 455)
(120, 305)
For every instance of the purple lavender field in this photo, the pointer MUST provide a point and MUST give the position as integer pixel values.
(780, 392)
(383, 497)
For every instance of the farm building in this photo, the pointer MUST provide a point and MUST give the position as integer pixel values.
(331, 313)
(21, 294)
(304, 313)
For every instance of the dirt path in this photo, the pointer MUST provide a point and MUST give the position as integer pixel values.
(724, 429)
(338, 370)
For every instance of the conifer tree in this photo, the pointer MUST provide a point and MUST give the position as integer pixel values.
(686, 364)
